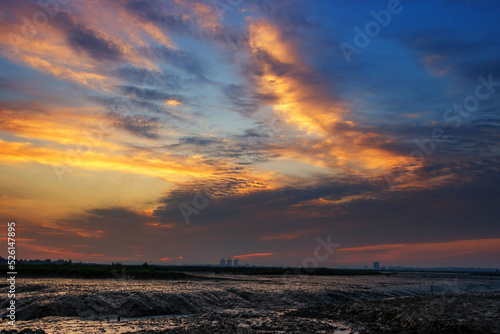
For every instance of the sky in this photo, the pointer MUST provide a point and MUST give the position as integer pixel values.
(278, 132)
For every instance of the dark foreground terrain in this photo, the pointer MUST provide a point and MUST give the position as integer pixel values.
(459, 313)
(454, 313)
(145, 271)
(400, 303)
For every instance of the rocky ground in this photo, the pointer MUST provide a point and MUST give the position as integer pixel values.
(454, 313)
(383, 304)
(240, 322)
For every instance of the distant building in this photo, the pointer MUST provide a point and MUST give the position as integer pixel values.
(222, 262)
(228, 262)
(236, 263)
(376, 265)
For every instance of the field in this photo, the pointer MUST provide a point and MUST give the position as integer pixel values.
(166, 272)
(214, 302)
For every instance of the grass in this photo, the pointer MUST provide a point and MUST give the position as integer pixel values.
(273, 270)
(164, 272)
(96, 271)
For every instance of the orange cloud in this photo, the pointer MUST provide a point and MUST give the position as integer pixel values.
(297, 103)
(204, 15)
(292, 235)
(164, 166)
(161, 225)
(251, 256)
(50, 52)
(437, 65)
(42, 252)
(172, 103)
(62, 126)
(331, 141)
(418, 251)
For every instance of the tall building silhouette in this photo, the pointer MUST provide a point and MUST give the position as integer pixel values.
(222, 262)
(235, 262)
(228, 262)
(376, 265)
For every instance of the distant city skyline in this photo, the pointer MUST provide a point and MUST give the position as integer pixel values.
(229, 262)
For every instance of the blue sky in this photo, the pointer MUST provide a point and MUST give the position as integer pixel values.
(118, 117)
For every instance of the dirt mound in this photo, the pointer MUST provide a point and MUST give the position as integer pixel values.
(98, 306)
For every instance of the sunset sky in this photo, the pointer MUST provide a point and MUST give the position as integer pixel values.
(183, 131)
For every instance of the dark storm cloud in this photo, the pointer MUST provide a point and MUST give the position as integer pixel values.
(93, 43)
(10, 84)
(442, 42)
(113, 222)
(432, 60)
(175, 19)
(464, 42)
(472, 69)
(244, 100)
(241, 150)
(480, 134)
(114, 216)
(154, 11)
(143, 77)
(277, 67)
(113, 231)
(135, 115)
(141, 125)
(253, 133)
(286, 13)
(86, 39)
(404, 110)
(147, 94)
(199, 141)
(21, 106)
(126, 105)
(180, 59)
(262, 202)
(462, 208)
(97, 45)
(442, 48)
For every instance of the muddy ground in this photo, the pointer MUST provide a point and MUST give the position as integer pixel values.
(384, 304)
